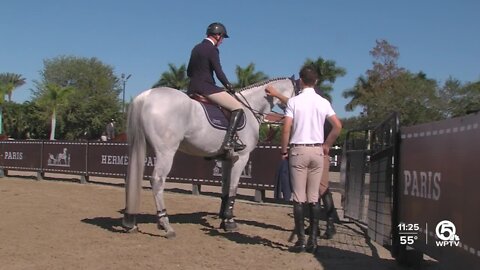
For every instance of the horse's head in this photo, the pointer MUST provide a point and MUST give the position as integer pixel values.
(255, 98)
(286, 87)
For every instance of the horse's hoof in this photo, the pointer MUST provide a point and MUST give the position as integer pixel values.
(134, 229)
(164, 224)
(171, 235)
(129, 223)
(229, 226)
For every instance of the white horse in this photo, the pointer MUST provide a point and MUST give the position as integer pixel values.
(169, 121)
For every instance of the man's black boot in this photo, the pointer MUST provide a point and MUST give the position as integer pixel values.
(298, 217)
(314, 218)
(330, 211)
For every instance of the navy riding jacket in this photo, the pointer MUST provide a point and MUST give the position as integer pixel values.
(204, 60)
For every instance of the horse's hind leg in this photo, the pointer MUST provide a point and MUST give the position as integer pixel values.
(159, 176)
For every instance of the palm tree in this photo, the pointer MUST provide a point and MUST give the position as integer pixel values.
(12, 81)
(8, 83)
(247, 76)
(3, 92)
(327, 71)
(54, 96)
(174, 78)
(357, 94)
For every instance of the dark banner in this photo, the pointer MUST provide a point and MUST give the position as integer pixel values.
(21, 155)
(107, 159)
(258, 173)
(439, 189)
(110, 159)
(263, 163)
(195, 170)
(64, 157)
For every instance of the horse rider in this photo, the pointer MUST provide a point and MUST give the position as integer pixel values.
(204, 61)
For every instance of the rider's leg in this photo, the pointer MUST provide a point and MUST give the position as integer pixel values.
(227, 101)
(229, 141)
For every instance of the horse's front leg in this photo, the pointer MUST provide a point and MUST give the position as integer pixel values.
(231, 173)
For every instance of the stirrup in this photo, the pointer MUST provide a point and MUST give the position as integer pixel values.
(234, 145)
(238, 147)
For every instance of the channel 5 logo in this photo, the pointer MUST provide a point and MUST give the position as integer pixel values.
(446, 233)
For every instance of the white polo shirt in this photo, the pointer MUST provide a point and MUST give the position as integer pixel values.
(309, 112)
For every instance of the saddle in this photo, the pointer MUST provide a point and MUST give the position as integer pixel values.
(217, 116)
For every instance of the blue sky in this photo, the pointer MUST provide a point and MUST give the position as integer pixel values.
(440, 38)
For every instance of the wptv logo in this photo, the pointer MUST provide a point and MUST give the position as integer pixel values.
(446, 234)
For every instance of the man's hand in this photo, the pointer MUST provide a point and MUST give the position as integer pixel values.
(271, 91)
(326, 149)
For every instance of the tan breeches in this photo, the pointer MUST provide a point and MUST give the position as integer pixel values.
(306, 169)
(225, 100)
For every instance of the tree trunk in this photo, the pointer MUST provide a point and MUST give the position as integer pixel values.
(1, 119)
(53, 124)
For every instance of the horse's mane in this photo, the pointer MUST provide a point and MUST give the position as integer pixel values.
(262, 83)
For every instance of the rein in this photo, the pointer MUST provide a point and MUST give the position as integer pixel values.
(258, 115)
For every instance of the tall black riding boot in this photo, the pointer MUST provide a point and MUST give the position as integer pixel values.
(229, 142)
(330, 211)
(298, 217)
(314, 217)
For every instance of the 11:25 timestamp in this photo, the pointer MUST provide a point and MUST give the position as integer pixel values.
(408, 227)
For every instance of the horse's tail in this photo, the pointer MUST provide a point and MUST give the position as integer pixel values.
(137, 149)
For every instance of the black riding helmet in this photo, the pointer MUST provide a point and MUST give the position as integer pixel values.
(217, 28)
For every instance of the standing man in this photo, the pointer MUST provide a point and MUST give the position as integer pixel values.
(204, 61)
(303, 143)
(324, 192)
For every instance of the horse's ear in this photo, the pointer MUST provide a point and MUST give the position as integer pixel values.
(293, 77)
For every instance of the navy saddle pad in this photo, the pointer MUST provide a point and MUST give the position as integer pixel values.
(217, 118)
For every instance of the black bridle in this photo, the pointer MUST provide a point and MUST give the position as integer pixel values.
(296, 86)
